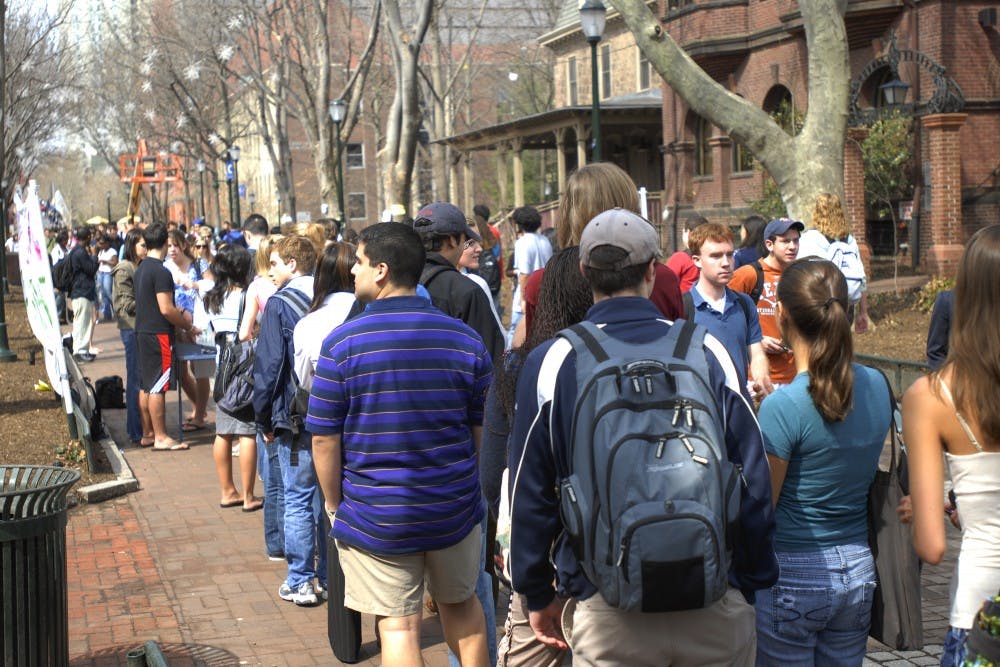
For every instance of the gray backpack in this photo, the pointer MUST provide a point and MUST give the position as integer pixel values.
(651, 500)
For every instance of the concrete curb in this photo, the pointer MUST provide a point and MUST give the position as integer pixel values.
(126, 481)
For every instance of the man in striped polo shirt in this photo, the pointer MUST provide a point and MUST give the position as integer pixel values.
(396, 414)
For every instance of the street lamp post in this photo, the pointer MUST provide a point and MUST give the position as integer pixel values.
(108, 197)
(337, 110)
(593, 17)
(277, 201)
(200, 165)
(234, 155)
(252, 198)
(229, 187)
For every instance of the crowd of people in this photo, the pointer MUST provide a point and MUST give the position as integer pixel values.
(668, 460)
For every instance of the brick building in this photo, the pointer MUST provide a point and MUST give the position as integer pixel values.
(947, 51)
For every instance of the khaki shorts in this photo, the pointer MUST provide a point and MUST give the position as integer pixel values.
(393, 585)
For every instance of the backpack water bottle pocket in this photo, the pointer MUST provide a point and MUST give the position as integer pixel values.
(669, 557)
(574, 508)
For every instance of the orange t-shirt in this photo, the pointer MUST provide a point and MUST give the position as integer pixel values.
(744, 280)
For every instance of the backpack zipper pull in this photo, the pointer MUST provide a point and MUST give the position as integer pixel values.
(659, 448)
(687, 444)
(739, 469)
(689, 413)
(621, 552)
(677, 414)
(635, 385)
(649, 385)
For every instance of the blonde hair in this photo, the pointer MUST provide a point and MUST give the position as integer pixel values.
(829, 219)
(263, 257)
(313, 231)
(590, 190)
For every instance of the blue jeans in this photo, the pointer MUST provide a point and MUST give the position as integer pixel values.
(133, 421)
(820, 610)
(954, 647)
(104, 282)
(484, 591)
(515, 317)
(305, 541)
(269, 470)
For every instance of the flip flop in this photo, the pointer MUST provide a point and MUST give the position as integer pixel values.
(176, 447)
(143, 443)
(231, 503)
(254, 508)
(191, 427)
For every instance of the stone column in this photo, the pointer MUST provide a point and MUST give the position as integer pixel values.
(854, 190)
(581, 145)
(561, 159)
(467, 182)
(516, 145)
(941, 232)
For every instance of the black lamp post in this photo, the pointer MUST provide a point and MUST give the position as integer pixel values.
(107, 196)
(593, 17)
(252, 198)
(229, 187)
(234, 155)
(200, 165)
(277, 201)
(337, 110)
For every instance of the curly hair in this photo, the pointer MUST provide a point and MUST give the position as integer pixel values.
(566, 297)
(828, 217)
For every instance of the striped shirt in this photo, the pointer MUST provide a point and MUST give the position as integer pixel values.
(403, 384)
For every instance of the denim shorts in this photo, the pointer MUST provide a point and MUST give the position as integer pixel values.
(954, 647)
(819, 612)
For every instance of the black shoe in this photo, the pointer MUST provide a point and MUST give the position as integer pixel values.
(84, 357)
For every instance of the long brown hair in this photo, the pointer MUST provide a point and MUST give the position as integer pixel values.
(593, 189)
(813, 298)
(333, 273)
(974, 344)
(828, 217)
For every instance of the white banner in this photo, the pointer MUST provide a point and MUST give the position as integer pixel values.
(39, 297)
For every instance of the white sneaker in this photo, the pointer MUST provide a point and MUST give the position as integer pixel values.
(304, 596)
(321, 590)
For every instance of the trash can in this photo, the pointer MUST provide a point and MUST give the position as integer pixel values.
(33, 614)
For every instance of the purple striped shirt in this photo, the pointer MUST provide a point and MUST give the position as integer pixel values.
(403, 384)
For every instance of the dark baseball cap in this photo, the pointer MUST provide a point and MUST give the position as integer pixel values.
(779, 226)
(442, 218)
(621, 229)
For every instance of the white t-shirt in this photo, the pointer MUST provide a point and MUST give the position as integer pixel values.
(483, 285)
(57, 254)
(531, 252)
(312, 330)
(104, 258)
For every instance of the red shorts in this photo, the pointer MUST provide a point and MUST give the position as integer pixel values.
(155, 356)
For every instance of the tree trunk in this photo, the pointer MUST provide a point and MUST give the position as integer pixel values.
(803, 166)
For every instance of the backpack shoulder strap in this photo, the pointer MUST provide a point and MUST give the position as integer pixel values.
(294, 298)
(587, 336)
(431, 273)
(688, 302)
(742, 304)
(759, 287)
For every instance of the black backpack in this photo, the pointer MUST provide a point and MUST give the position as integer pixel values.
(62, 275)
(110, 393)
(489, 270)
(758, 287)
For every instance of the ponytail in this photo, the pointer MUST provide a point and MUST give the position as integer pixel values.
(813, 296)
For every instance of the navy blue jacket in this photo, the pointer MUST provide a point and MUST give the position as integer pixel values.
(940, 329)
(537, 462)
(273, 391)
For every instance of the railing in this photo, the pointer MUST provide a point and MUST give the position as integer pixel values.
(897, 370)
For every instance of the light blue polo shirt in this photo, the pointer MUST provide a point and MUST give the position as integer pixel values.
(734, 329)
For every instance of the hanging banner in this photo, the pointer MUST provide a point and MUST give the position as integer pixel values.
(39, 297)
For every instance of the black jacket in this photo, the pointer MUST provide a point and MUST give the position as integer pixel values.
(84, 271)
(456, 295)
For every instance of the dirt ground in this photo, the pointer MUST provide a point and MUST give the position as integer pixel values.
(34, 427)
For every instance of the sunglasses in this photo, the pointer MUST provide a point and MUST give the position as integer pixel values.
(200, 245)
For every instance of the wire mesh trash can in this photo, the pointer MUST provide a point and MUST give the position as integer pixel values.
(33, 613)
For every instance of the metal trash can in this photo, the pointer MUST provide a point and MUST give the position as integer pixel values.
(33, 608)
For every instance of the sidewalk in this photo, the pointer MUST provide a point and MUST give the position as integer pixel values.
(167, 563)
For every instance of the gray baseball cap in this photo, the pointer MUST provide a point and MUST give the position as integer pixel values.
(622, 229)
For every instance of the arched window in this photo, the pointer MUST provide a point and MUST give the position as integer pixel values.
(780, 105)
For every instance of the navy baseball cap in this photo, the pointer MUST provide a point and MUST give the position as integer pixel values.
(442, 218)
(779, 226)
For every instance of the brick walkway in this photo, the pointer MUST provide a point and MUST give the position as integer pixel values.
(167, 563)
